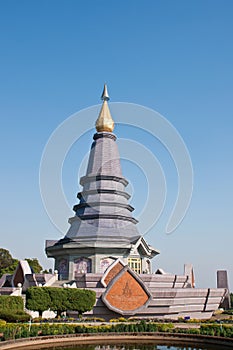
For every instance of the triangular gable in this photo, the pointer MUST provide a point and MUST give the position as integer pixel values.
(141, 243)
(22, 269)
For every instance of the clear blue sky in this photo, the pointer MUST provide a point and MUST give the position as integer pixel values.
(172, 56)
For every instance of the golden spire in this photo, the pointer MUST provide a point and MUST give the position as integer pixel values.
(104, 121)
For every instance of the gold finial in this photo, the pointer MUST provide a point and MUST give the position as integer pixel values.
(104, 121)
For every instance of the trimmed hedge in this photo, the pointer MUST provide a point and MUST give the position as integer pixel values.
(228, 312)
(217, 330)
(59, 299)
(14, 331)
(12, 309)
(13, 303)
(37, 299)
(14, 317)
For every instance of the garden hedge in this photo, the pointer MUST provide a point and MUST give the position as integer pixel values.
(13, 303)
(15, 331)
(59, 299)
(12, 309)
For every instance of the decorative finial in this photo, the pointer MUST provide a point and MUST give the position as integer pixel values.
(104, 121)
(105, 95)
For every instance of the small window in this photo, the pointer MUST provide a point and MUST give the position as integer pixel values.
(135, 264)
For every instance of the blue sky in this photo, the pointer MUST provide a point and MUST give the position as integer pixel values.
(175, 57)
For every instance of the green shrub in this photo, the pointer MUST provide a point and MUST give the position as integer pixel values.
(13, 303)
(221, 330)
(80, 300)
(59, 299)
(193, 331)
(9, 316)
(37, 299)
(152, 327)
(91, 319)
(228, 312)
(38, 319)
(14, 331)
(165, 327)
(80, 329)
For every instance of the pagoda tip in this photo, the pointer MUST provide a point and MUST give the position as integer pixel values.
(104, 123)
(105, 95)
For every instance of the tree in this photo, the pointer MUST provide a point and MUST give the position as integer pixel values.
(34, 265)
(7, 262)
(58, 299)
(5, 258)
(37, 299)
(81, 300)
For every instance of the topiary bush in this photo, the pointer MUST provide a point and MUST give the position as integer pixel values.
(59, 299)
(12, 309)
(80, 300)
(13, 303)
(37, 299)
(9, 316)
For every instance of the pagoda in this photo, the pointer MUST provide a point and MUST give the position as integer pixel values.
(103, 228)
(103, 250)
